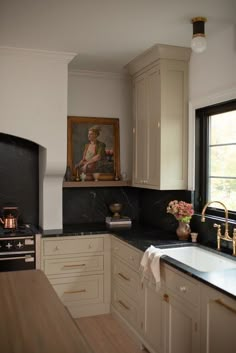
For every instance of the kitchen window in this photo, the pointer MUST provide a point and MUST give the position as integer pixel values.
(215, 177)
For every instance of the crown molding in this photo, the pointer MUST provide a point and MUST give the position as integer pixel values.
(63, 56)
(155, 53)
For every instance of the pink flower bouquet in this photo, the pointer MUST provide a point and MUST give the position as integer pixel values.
(181, 210)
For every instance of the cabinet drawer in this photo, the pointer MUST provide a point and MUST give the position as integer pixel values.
(79, 264)
(81, 289)
(126, 253)
(125, 305)
(126, 278)
(72, 246)
(185, 288)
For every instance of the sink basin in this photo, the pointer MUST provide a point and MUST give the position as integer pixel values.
(200, 259)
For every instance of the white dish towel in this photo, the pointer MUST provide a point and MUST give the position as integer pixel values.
(150, 264)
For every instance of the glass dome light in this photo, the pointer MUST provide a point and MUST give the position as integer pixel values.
(199, 43)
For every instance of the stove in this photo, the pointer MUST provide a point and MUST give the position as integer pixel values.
(19, 248)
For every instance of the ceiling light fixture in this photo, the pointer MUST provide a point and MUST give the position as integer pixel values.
(199, 43)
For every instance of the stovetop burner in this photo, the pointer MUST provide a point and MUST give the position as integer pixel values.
(25, 229)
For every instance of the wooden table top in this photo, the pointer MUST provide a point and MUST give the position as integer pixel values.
(32, 317)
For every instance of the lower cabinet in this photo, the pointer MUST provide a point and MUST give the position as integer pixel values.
(171, 314)
(126, 284)
(182, 295)
(165, 320)
(218, 322)
(183, 316)
(154, 309)
(182, 328)
(78, 267)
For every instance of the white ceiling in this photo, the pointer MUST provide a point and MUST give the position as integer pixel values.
(107, 34)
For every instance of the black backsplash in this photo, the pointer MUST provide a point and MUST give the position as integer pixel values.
(154, 204)
(91, 205)
(19, 180)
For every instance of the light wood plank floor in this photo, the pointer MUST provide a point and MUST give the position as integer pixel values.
(106, 335)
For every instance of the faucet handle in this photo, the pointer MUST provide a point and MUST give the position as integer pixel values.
(234, 234)
(218, 226)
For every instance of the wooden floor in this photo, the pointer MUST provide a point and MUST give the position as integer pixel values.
(106, 335)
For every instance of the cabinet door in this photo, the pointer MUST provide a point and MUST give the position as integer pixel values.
(182, 328)
(147, 128)
(140, 130)
(218, 322)
(174, 125)
(154, 318)
(153, 128)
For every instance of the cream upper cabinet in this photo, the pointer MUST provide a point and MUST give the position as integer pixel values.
(160, 117)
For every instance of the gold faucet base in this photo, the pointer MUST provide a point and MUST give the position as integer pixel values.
(220, 237)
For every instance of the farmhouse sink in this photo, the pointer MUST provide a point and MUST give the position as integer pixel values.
(200, 259)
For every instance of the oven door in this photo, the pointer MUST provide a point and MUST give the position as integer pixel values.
(17, 262)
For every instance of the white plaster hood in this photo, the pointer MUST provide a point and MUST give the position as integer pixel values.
(33, 105)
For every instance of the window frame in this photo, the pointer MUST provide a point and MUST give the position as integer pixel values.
(202, 158)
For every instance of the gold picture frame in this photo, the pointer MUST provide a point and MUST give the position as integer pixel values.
(93, 146)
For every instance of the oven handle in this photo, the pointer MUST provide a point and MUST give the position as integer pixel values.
(27, 258)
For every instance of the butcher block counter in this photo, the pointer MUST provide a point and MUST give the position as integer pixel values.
(33, 319)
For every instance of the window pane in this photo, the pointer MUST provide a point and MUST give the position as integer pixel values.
(223, 128)
(223, 190)
(222, 161)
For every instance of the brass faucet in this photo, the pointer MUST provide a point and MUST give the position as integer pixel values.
(218, 226)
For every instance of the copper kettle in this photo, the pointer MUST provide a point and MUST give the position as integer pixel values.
(9, 219)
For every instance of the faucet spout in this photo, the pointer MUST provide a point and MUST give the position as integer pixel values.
(226, 216)
(226, 235)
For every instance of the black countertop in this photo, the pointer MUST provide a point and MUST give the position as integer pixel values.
(142, 236)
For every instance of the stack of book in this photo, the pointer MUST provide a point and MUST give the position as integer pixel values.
(118, 222)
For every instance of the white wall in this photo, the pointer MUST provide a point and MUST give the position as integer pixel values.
(33, 105)
(104, 95)
(212, 80)
(214, 71)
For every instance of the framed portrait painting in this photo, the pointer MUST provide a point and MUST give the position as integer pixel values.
(93, 147)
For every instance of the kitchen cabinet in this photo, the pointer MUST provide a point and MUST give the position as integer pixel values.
(154, 317)
(218, 322)
(125, 293)
(166, 320)
(160, 118)
(78, 267)
(171, 314)
(182, 320)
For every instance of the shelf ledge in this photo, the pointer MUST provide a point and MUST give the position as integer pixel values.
(102, 183)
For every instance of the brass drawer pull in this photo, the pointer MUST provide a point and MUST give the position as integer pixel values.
(75, 291)
(123, 304)
(166, 298)
(123, 276)
(76, 265)
(220, 302)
